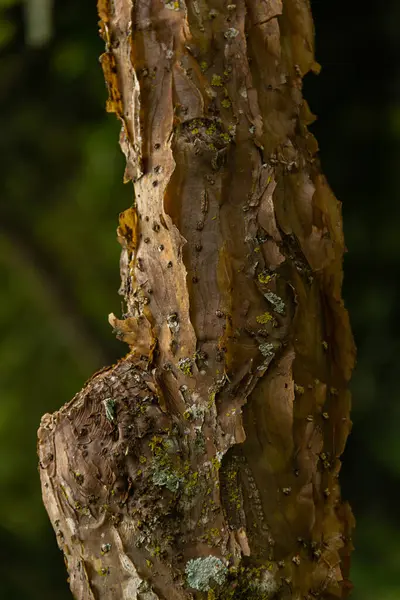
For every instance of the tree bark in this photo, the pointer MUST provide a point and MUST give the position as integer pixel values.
(205, 463)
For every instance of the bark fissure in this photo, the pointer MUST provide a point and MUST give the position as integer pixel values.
(205, 463)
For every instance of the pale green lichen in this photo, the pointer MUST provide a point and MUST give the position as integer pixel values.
(277, 303)
(203, 573)
(156, 445)
(216, 463)
(164, 477)
(264, 318)
(211, 129)
(169, 446)
(212, 536)
(211, 398)
(216, 80)
(109, 405)
(191, 483)
(165, 474)
(264, 277)
(172, 5)
(186, 366)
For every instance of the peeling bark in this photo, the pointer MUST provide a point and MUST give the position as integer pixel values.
(205, 463)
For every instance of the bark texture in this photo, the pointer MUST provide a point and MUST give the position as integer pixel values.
(205, 463)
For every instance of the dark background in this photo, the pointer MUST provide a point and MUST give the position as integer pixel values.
(61, 191)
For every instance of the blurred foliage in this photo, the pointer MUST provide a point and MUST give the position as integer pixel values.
(61, 177)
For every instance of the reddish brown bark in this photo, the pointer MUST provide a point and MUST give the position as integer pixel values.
(205, 463)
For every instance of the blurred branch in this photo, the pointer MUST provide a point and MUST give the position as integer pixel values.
(38, 22)
(27, 257)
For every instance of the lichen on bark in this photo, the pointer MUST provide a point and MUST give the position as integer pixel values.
(217, 440)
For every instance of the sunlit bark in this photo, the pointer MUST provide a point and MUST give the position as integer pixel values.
(205, 463)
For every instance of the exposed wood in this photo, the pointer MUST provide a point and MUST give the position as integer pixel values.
(205, 463)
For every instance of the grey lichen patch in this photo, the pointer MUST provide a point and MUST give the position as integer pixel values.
(164, 477)
(219, 384)
(265, 584)
(231, 33)
(276, 301)
(267, 350)
(165, 472)
(169, 470)
(195, 413)
(203, 573)
(173, 322)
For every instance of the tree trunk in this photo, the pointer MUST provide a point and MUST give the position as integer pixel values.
(205, 463)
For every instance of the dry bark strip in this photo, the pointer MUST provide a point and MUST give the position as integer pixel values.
(205, 463)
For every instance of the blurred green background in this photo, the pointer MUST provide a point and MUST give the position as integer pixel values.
(61, 192)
